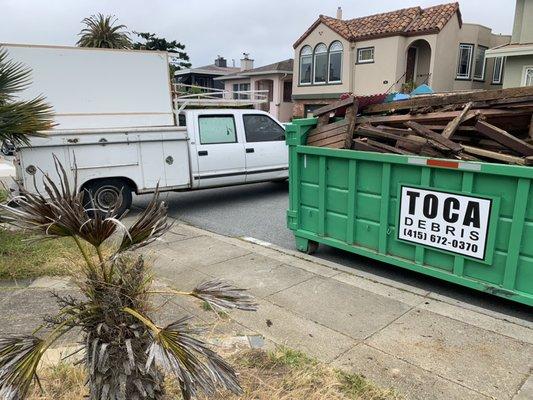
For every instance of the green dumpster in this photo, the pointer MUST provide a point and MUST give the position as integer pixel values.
(470, 223)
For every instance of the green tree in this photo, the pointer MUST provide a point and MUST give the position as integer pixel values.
(179, 58)
(126, 353)
(101, 31)
(20, 118)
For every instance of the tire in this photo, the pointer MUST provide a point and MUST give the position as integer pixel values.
(104, 194)
(312, 247)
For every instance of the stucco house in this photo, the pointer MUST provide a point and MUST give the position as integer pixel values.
(276, 78)
(516, 57)
(384, 52)
(204, 76)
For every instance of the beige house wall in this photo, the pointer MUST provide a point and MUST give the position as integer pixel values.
(281, 110)
(514, 70)
(323, 34)
(523, 26)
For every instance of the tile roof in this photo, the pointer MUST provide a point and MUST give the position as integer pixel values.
(405, 22)
(284, 66)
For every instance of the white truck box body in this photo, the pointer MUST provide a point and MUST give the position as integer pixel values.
(99, 88)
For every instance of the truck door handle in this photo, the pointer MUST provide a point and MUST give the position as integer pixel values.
(202, 153)
(250, 150)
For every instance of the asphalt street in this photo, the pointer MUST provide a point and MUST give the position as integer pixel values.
(258, 211)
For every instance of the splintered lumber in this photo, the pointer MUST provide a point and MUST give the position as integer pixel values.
(362, 145)
(350, 116)
(327, 131)
(388, 148)
(334, 106)
(428, 133)
(437, 100)
(504, 138)
(530, 131)
(493, 155)
(454, 123)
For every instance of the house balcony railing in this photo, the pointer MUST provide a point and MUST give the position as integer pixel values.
(198, 96)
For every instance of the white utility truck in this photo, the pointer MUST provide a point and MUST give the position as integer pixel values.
(116, 123)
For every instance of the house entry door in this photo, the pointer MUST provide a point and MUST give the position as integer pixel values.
(411, 65)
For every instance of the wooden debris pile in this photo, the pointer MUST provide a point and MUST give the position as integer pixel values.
(492, 125)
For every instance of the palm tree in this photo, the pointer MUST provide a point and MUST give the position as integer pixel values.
(20, 118)
(126, 353)
(100, 31)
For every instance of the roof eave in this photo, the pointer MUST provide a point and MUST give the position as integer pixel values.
(503, 51)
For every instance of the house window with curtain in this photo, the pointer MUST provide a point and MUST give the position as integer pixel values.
(335, 62)
(320, 63)
(464, 64)
(479, 65)
(306, 63)
(497, 71)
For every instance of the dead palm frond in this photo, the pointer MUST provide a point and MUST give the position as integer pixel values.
(221, 294)
(100, 31)
(20, 118)
(125, 352)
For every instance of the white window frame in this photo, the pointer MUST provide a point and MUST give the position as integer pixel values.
(360, 61)
(524, 74)
(469, 74)
(341, 52)
(300, 66)
(497, 80)
(314, 64)
(483, 67)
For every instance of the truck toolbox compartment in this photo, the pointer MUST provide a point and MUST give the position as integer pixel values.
(470, 223)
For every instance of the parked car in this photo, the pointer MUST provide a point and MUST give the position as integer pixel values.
(8, 148)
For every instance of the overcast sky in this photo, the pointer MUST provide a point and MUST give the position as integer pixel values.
(264, 28)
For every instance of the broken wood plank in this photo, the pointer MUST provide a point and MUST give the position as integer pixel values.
(350, 116)
(328, 127)
(454, 98)
(503, 137)
(333, 106)
(327, 141)
(428, 133)
(369, 130)
(389, 149)
(530, 131)
(396, 131)
(494, 156)
(341, 131)
(360, 145)
(454, 123)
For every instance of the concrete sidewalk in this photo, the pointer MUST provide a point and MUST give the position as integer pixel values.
(421, 343)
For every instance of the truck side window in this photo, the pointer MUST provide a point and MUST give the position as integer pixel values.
(216, 129)
(261, 128)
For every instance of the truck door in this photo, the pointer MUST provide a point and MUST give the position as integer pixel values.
(219, 150)
(266, 152)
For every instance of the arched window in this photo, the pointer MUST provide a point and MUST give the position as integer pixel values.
(335, 62)
(321, 63)
(306, 63)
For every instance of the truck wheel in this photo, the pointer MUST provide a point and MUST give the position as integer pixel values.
(312, 247)
(106, 193)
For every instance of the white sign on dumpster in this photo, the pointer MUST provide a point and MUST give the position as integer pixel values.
(443, 220)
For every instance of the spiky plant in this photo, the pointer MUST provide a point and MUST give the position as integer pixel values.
(20, 118)
(101, 31)
(126, 353)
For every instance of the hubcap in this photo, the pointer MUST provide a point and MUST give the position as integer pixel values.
(106, 197)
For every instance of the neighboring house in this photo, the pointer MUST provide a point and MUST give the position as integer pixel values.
(384, 52)
(276, 78)
(204, 76)
(516, 58)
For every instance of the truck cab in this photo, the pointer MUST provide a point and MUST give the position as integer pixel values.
(231, 147)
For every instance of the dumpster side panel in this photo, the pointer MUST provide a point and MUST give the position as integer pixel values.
(350, 200)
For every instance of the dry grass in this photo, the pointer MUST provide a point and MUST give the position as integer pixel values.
(24, 259)
(283, 374)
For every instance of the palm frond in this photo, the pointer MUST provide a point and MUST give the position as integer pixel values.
(20, 118)
(176, 350)
(102, 32)
(151, 224)
(222, 295)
